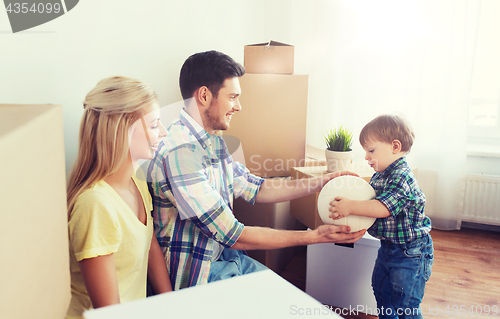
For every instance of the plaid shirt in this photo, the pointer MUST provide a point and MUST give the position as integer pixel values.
(193, 181)
(397, 188)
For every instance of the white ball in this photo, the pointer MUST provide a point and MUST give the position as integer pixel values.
(350, 187)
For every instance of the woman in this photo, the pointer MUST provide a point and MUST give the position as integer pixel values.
(112, 248)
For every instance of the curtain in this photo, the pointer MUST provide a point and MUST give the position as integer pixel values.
(367, 58)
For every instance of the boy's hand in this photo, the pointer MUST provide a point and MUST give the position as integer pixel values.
(340, 207)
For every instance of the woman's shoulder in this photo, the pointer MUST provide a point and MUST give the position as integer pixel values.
(97, 198)
(100, 191)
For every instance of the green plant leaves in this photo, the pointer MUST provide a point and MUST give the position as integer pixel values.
(339, 140)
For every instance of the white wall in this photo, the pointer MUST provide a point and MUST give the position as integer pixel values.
(368, 57)
(60, 61)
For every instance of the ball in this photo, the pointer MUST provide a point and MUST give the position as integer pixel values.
(350, 187)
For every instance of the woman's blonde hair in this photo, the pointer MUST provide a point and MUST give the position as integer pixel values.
(110, 109)
(387, 128)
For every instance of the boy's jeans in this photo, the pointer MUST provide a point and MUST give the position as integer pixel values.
(399, 277)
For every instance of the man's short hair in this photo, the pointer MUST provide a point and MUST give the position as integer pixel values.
(387, 128)
(208, 69)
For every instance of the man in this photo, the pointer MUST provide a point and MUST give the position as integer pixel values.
(193, 181)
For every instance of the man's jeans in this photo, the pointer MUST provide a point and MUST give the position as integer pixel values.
(399, 277)
(233, 263)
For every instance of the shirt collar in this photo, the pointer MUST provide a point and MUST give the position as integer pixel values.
(394, 165)
(196, 129)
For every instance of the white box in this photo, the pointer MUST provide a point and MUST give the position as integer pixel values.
(262, 294)
(341, 276)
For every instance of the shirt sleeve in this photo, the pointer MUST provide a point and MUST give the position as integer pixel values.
(195, 197)
(396, 194)
(246, 184)
(93, 227)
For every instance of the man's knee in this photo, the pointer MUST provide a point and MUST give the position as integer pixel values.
(249, 265)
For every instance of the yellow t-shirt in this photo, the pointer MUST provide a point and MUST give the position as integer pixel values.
(101, 223)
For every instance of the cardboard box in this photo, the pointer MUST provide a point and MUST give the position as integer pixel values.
(305, 209)
(340, 275)
(34, 272)
(271, 125)
(271, 57)
(315, 156)
(275, 216)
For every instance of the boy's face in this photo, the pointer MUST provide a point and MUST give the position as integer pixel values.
(381, 154)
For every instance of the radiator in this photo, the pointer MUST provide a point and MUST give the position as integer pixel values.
(482, 199)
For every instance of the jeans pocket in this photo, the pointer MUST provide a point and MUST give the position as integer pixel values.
(397, 290)
(413, 252)
(429, 260)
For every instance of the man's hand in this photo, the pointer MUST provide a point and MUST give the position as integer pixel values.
(328, 177)
(336, 234)
(340, 207)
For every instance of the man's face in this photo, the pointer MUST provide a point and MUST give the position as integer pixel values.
(222, 107)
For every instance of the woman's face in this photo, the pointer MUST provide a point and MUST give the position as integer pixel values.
(146, 133)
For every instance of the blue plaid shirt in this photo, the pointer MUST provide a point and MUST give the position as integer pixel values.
(192, 181)
(397, 188)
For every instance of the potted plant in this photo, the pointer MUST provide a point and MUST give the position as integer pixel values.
(338, 149)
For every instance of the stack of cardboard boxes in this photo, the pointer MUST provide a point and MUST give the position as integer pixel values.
(271, 128)
(272, 122)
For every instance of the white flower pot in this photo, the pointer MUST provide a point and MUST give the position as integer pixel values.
(338, 161)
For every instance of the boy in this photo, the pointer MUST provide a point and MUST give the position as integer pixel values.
(405, 257)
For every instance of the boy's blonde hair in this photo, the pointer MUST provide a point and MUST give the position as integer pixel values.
(387, 128)
(109, 111)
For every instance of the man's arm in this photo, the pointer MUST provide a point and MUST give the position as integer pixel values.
(268, 238)
(279, 190)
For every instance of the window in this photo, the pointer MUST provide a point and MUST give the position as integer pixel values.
(484, 103)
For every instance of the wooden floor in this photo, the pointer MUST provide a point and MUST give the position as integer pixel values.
(465, 281)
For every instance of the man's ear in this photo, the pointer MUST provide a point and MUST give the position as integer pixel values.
(203, 96)
(396, 146)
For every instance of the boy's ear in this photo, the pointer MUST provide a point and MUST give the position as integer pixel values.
(396, 146)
